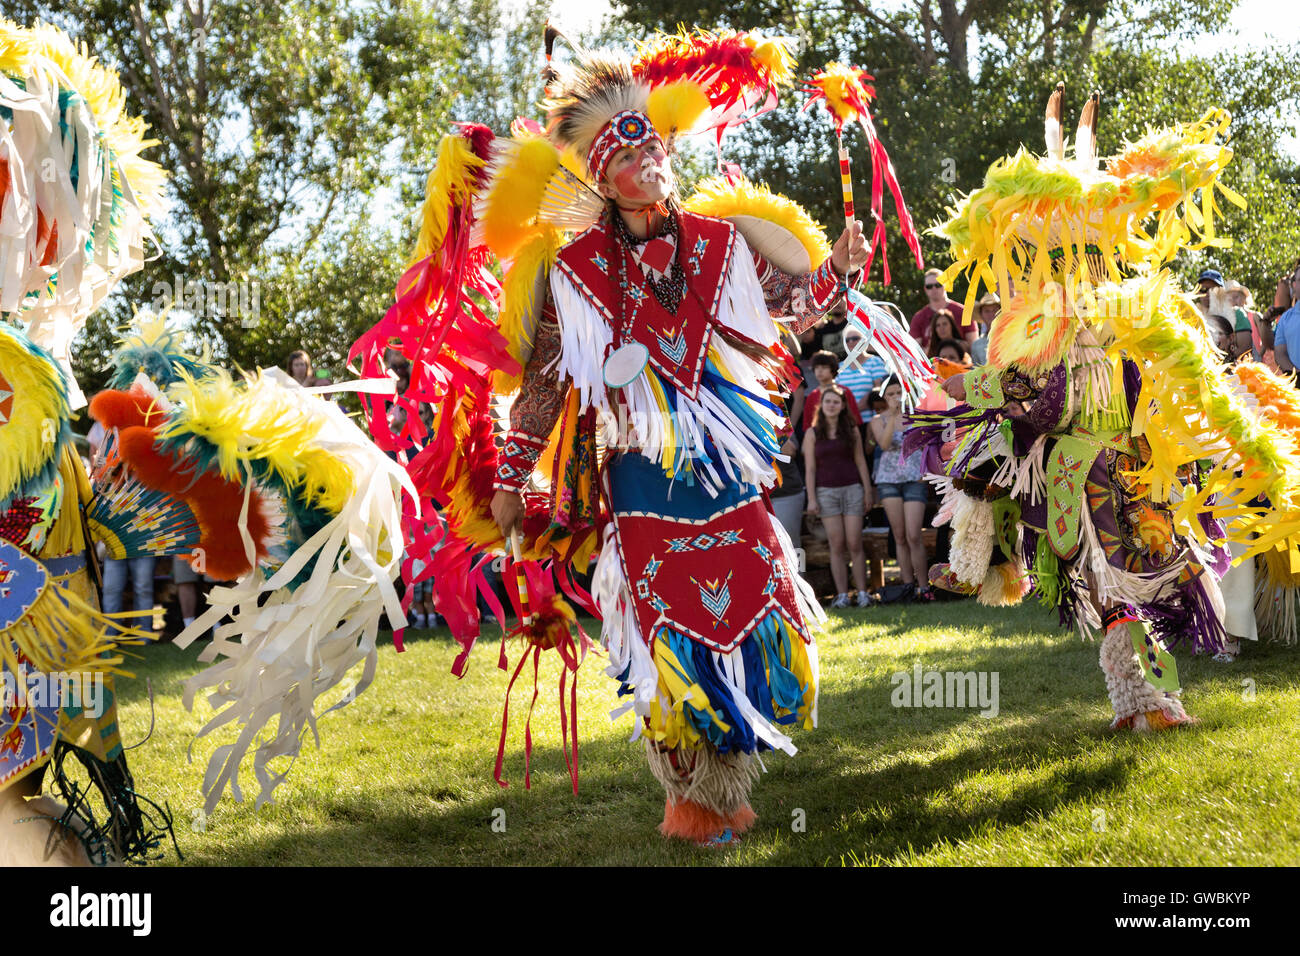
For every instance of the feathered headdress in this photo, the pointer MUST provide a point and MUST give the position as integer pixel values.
(683, 83)
(1056, 215)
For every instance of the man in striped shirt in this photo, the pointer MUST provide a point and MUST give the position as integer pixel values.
(862, 377)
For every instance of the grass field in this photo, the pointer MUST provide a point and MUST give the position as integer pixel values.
(404, 775)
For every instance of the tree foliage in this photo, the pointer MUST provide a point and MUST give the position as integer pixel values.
(961, 84)
(298, 136)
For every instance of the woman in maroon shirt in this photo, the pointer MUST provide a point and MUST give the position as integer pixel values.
(839, 489)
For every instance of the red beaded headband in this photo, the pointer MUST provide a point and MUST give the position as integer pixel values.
(628, 128)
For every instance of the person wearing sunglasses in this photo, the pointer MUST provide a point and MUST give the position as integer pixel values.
(937, 299)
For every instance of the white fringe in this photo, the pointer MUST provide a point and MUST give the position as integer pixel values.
(621, 636)
(40, 164)
(282, 656)
(637, 419)
(973, 540)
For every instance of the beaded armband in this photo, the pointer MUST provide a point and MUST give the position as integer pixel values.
(515, 461)
(825, 285)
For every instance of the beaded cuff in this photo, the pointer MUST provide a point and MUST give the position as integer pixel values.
(515, 461)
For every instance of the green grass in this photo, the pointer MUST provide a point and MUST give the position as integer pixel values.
(404, 775)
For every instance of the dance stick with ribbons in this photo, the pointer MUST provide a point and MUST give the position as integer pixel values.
(847, 93)
(521, 581)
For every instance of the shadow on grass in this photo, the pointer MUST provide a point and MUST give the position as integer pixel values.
(882, 783)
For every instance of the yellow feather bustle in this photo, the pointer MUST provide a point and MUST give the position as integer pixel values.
(509, 215)
(1032, 332)
(260, 420)
(39, 404)
(742, 200)
(675, 108)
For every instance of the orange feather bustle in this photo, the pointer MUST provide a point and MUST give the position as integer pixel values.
(216, 502)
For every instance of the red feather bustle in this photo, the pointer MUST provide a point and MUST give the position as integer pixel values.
(439, 323)
(739, 84)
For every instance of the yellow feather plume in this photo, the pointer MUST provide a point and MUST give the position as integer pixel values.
(518, 186)
(675, 108)
(451, 183)
(773, 53)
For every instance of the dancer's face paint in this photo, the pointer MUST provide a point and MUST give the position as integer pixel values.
(640, 176)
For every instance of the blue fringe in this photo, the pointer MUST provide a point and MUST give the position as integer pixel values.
(769, 643)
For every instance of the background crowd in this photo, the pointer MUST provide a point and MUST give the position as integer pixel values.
(846, 479)
(855, 480)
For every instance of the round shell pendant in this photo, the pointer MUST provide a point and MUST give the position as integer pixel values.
(625, 363)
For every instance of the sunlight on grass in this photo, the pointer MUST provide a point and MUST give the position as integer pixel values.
(404, 774)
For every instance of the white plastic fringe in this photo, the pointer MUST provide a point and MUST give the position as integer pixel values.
(893, 343)
(280, 658)
(1090, 381)
(947, 494)
(92, 253)
(622, 638)
(1031, 476)
(1276, 609)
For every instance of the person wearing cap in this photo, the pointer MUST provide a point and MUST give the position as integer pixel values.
(987, 309)
(1208, 280)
